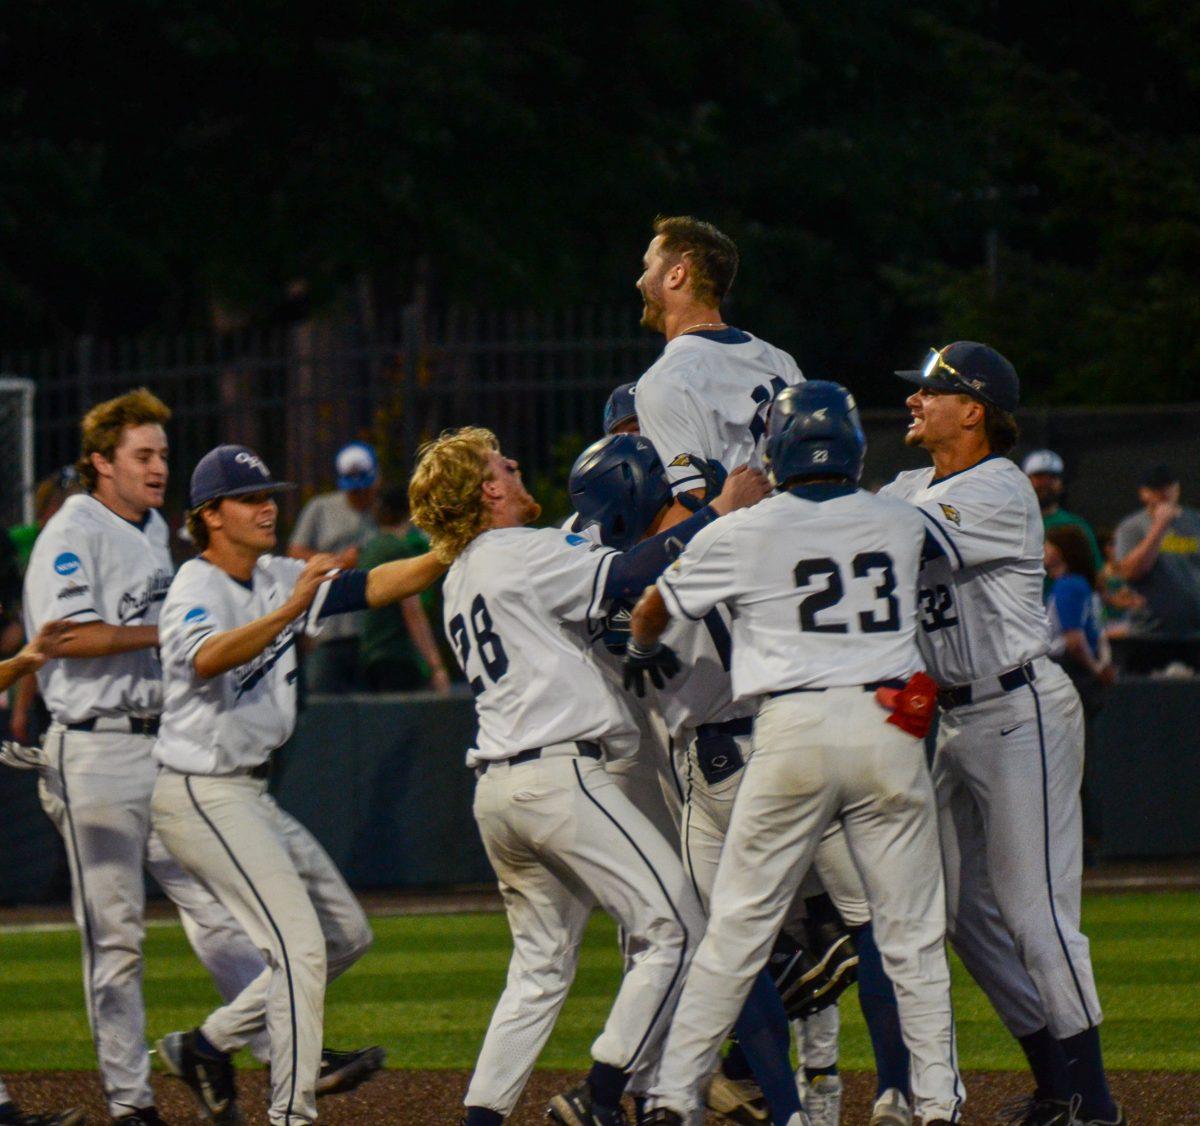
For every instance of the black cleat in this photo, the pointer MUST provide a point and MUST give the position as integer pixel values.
(575, 1108)
(147, 1116)
(343, 1071)
(210, 1078)
(12, 1115)
(1032, 1111)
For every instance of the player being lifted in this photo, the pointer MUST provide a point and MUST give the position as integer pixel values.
(1010, 740)
(520, 604)
(821, 583)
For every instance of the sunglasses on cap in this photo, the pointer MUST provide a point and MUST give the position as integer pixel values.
(937, 373)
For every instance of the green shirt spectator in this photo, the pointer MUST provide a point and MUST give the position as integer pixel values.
(397, 651)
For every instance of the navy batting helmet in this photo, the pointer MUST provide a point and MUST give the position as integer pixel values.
(814, 431)
(620, 407)
(619, 484)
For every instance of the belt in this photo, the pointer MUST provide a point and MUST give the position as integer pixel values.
(743, 726)
(583, 747)
(893, 683)
(136, 724)
(987, 689)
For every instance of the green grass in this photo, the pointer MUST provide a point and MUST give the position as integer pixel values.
(427, 989)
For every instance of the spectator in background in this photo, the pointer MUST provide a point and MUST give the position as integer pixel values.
(48, 498)
(339, 523)
(1157, 552)
(397, 651)
(1078, 644)
(1044, 468)
(1119, 598)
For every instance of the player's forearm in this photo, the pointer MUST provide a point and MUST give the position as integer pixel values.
(224, 651)
(1137, 564)
(631, 572)
(99, 639)
(390, 582)
(421, 632)
(16, 667)
(679, 512)
(649, 619)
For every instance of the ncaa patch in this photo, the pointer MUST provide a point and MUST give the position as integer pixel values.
(196, 614)
(951, 513)
(67, 563)
(575, 539)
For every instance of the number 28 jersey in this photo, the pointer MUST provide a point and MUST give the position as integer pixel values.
(821, 582)
(519, 606)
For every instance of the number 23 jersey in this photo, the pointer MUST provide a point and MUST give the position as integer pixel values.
(519, 607)
(980, 609)
(821, 582)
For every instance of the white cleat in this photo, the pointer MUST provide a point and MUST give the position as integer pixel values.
(824, 1101)
(20, 757)
(891, 1109)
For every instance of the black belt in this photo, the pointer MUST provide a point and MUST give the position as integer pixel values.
(955, 697)
(865, 687)
(138, 724)
(585, 748)
(743, 726)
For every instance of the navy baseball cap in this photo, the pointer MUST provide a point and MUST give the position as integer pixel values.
(232, 471)
(969, 368)
(356, 466)
(620, 407)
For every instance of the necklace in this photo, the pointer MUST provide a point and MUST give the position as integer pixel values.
(703, 324)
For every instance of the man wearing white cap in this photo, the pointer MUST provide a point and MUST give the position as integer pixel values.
(1044, 468)
(339, 523)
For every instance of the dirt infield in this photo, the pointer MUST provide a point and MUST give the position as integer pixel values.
(433, 1098)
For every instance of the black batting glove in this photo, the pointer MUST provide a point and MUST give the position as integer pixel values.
(658, 662)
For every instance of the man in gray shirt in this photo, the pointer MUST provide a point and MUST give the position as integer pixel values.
(1158, 553)
(339, 523)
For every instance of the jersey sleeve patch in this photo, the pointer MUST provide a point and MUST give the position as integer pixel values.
(951, 513)
(66, 563)
(196, 615)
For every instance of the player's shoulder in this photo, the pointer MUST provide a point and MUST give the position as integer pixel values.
(195, 574)
(67, 532)
(895, 505)
(908, 483)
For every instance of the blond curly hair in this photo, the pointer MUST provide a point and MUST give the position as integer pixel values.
(445, 493)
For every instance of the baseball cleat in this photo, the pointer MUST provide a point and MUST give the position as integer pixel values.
(738, 1100)
(1120, 1120)
(20, 757)
(824, 1101)
(575, 1108)
(343, 1071)
(891, 1109)
(1032, 1111)
(210, 1078)
(147, 1116)
(662, 1116)
(12, 1115)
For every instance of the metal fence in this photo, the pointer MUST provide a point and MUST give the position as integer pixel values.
(538, 378)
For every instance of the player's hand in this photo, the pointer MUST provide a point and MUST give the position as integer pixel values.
(659, 663)
(743, 487)
(1165, 512)
(49, 643)
(315, 572)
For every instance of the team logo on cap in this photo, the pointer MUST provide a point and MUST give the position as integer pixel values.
(67, 563)
(952, 514)
(253, 461)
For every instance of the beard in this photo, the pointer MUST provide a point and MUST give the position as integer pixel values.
(530, 510)
(653, 313)
(913, 438)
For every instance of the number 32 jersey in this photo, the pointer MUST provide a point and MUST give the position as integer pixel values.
(981, 606)
(519, 607)
(821, 582)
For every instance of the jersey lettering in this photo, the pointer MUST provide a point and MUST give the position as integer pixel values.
(865, 565)
(936, 608)
(487, 643)
(764, 396)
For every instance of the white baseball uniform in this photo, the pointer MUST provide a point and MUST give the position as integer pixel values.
(90, 565)
(212, 810)
(1010, 750)
(521, 607)
(707, 395)
(821, 583)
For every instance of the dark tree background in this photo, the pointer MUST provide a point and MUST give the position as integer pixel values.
(895, 174)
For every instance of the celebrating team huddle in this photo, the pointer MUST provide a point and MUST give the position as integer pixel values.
(703, 706)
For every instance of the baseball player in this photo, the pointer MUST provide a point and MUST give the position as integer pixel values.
(620, 411)
(708, 394)
(520, 604)
(229, 628)
(102, 564)
(621, 491)
(821, 583)
(1010, 739)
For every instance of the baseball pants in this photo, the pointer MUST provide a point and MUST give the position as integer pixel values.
(817, 756)
(1007, 774)
(281, 886)
(562, 838)
(96, 788)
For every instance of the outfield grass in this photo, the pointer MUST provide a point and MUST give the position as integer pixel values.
(427, 989)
